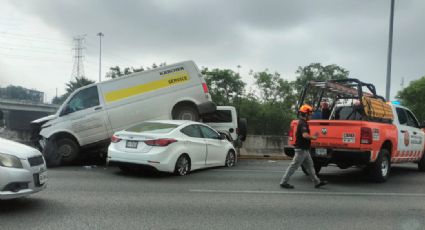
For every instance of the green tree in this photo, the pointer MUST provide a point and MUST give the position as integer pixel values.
(20, 93)
(273, 88)
(317, 72)
(410, 97)
(278, 99)
(114, 72)
(71, 86)
(226, 86)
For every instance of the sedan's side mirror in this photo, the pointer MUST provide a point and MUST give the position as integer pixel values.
(222, 136)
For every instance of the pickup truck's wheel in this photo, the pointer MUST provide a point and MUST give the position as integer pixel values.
(380, 169)
(421, 163)
(317, 168)
(182, 165)
(68, 150)
(186, 113)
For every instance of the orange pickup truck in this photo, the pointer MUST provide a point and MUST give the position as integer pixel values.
(362, 130)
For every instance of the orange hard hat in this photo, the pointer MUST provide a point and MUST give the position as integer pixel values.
(306, 109)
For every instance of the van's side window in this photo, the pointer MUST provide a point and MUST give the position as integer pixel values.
(84, 99)
(218, 116)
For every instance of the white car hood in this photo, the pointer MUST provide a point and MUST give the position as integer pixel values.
(17, 149)
(43, 119)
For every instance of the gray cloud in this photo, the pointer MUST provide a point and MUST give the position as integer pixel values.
(279, 35)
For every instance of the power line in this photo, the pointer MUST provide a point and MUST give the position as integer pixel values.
(32, 38)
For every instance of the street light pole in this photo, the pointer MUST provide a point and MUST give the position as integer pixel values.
(390, 48)
(100, 34)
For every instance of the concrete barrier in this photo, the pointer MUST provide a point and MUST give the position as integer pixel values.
(264, 146)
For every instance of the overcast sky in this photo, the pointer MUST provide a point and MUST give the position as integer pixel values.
(36, 37)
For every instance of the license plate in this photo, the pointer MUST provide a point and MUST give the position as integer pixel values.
(131, 144)
(321, 152)
(42, 177)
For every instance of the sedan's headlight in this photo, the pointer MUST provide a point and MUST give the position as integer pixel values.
(10, 161)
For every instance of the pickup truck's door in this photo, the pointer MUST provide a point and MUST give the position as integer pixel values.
(410, 136)
(85, 116)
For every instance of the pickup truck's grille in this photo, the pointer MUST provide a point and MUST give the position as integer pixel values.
(34, 161)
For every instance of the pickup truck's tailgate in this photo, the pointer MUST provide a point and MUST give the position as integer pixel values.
(345, 134)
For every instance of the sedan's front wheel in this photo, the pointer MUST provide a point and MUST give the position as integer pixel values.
(182, 165)
(230, 159)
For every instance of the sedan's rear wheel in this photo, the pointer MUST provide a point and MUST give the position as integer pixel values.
(182, 165)
(230, 159)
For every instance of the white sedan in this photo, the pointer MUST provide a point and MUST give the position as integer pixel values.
(22, 170)
(174, 146)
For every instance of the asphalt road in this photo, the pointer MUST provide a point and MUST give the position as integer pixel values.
(244, 197)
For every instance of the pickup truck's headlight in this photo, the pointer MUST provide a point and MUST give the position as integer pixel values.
(10, 161)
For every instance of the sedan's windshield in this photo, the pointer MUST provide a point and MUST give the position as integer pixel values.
(152, 127)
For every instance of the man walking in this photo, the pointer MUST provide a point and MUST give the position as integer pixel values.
(302, 150)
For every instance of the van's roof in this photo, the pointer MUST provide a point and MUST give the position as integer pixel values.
(136, 73)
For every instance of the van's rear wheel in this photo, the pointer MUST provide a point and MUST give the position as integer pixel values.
(186, 113)
(380, 169)
(68, 150)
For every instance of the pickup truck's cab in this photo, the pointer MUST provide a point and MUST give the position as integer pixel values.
(351, 137)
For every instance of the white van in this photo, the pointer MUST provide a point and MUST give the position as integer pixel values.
(225, 119)
(91, 114)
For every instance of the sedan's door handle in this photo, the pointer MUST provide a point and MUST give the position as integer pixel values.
(97, 108)
(415, 133)
(402, 131)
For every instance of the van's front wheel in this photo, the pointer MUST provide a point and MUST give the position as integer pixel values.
(186, 113)
(68, 150)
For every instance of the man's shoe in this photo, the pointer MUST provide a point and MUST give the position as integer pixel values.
(286, 185)
(323, 182)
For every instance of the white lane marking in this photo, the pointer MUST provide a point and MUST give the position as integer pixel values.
(308, 193)
(252, 170)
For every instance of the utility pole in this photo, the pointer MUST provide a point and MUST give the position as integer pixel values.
(390, 48)
(100, 34)
(78, 69)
